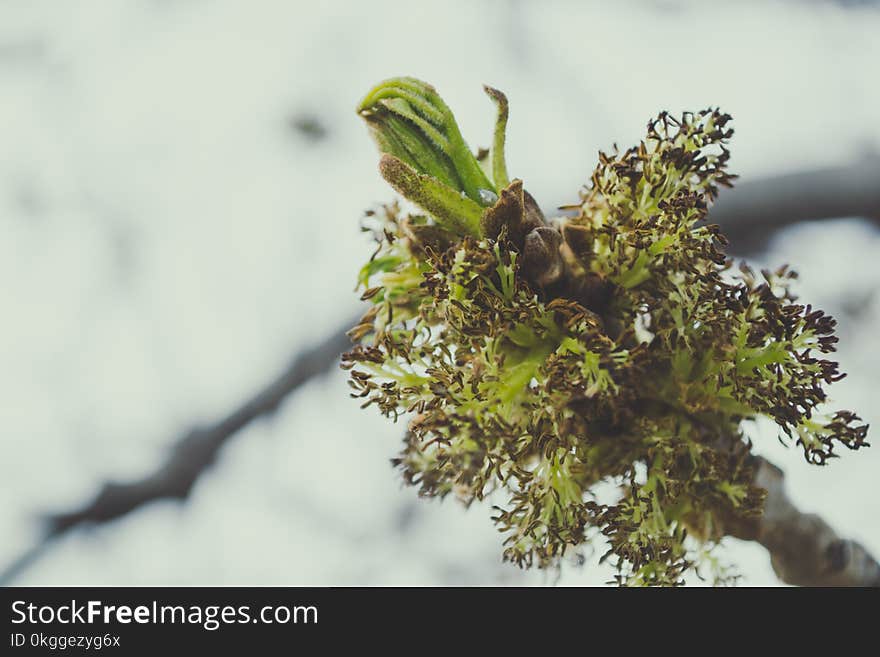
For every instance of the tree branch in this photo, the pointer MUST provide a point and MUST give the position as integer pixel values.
(196, 451)
(804, 549)
(192, 454)
(752, 211)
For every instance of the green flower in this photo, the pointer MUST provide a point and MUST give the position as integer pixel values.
(538, 361)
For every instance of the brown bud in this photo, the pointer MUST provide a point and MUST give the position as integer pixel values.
(542, 262)
(532, 217)
(517, 210)
(579, 239)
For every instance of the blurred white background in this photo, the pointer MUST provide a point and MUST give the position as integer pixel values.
(169, 238)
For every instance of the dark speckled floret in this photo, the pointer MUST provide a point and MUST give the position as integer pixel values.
(635, 365)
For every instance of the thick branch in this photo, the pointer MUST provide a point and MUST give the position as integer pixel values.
(752, 211)
(804, 549)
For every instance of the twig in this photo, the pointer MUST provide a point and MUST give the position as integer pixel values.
(191, 455)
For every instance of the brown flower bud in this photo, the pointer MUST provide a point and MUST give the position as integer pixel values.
(542, 262)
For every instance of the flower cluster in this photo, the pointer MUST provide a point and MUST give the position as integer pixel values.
(537, 360)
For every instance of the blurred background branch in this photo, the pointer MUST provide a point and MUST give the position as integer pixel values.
(192, 454)
(752, 211)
